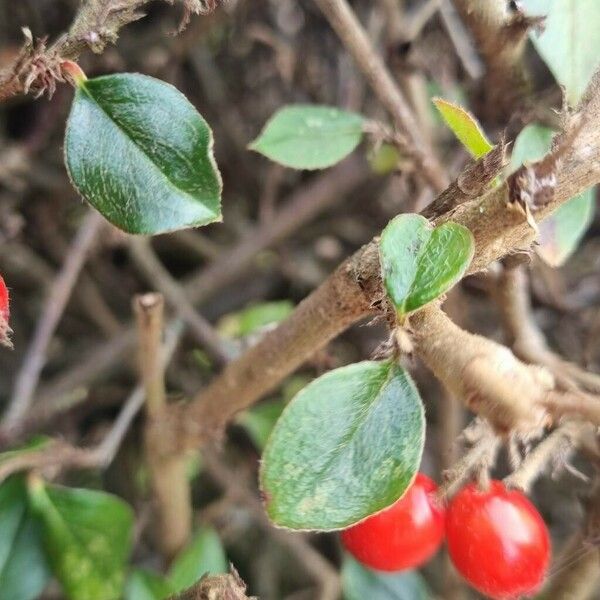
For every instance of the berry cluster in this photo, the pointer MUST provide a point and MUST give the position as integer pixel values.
(496, 538)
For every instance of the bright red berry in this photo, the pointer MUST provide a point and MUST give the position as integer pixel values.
(403, 536)
(4, 314)
(4, 310)
(497, 540)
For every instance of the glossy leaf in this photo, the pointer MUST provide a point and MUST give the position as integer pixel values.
(465, 127)
(569, 43)
(139, 152)
(145, 585)
(23, 568)
(87, 535)
(360, 583)
(420, 263)
(561, 232)
(348, 445)
(204, 554)
(307, 136)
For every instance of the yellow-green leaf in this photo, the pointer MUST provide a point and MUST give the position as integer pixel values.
(465, 127)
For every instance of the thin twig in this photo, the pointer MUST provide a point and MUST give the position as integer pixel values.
(60, 292)
(146, 259)
(168, 473)
(355, 39)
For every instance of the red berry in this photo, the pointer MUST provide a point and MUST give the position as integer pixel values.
(4, 314)
(403, 536)
(4, 310)
(497, 540)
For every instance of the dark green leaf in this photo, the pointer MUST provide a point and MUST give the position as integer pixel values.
(569, 43)
(87, 535)
(347, 446)
(420, 263)
(140, 153)
(145, 585)
(465, 127)
(23, 568)
(306, 136)
(359, 583)
(561, 232)
(205, 554)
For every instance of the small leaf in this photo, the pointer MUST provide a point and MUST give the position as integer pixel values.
(348, 445)
(561, 232)
(140, 153)
(204, 554)
(87, 535)
(23, 568)
(145, 585)
(384, 159)
(465, 127)
(569, 44)
(255, 317)
(260, 420)
(305, 136)
(360, 583)
(420, 263)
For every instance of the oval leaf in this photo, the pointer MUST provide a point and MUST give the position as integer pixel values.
(87, 535)
(360, 583)
(465, 127)
(139, 152)
(23, 568)
(420, 263)
(569, 43)
(561, 232)
(348, 445)
(306, 136)
(203, 555)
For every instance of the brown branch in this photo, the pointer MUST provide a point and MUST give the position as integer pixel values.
(60, 292)
(167, 472)
(216, 587)
(354, 291)
(500, 35)
(96, 24)
(343, 20)
(511, 293)
(301, 207)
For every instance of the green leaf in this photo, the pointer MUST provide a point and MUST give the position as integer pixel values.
(145, 585)
(384, 159)
(420, 263)
(306, 136)
(87, 535)
(260, 420)
(465, 127)
(569, 44)
(140, 153)
(359, 583)
(255, 317)
(204, 554)
(348, 445)
(23, 568)
(561, 232)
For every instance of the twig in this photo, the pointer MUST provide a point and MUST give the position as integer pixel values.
(61, 455)
(557, 446)
(300, 208)
(344, 22)
(157, 275)
(216, 587)
(167, 472)
(512, 298)
(60, 292)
